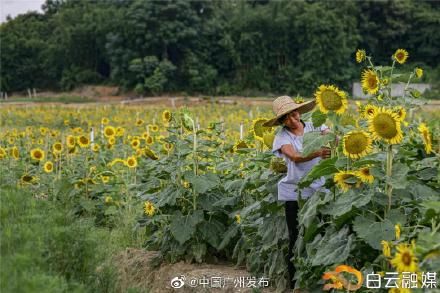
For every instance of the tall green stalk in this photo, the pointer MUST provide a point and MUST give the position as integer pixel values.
(389, 166)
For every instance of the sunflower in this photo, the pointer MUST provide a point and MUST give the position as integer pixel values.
(153, 127)
(330, 98)
(404, 259)
(369, 110)
(258, 128)
(116, 161)
(149, 208)
(28, 179)
(105, 121)
(109, 131)
(345, 180)
(357, 144)
(120, 131)
(14, 153)
(70, 141)
(57, 148)
(131, 162)
(135, 143)
(364, 175)
(149, 153)
(111, 140)
(370, 81)
(149, 140)
(96, 147)
(105, 179)
(360, 55)
(139, 122)
(108, 199)
(400, 56)
(385, 125)
(37, 154)
(386, 250)
(48, 167)
(419, 72)
(400, 113)
(3, 153)
(168, 147)
(166, 116)
(426, 137)
(83, 141)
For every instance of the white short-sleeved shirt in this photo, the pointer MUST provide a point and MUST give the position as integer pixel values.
(287, 186)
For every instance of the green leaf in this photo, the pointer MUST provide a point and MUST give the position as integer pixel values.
(324, 167)
(398, 178)
(373, 232)
(314, 140)
(333, 248)
(183, 227)
(202, 183)
(345, 202)
(212, 231)
(228, 236)
(198, 251)
(111, 211)
(318, 118)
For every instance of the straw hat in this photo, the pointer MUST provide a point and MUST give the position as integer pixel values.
(285, 104)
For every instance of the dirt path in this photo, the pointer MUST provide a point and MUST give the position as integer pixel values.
(136, 270)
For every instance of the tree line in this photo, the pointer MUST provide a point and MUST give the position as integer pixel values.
(211, 47)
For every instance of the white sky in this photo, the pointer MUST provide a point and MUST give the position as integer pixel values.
(15, 7)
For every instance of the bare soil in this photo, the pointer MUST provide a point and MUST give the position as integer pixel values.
(136, 270)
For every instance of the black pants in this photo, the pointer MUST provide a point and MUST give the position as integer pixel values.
(292, 226)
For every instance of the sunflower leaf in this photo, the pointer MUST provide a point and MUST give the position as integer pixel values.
(345, 202)
(373, 232)
(324, 167)
(318, 118)
(313, 141)
(183, 227)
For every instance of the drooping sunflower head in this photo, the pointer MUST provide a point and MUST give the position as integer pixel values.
(384, 125)
(365, 175)
(150, 153)
(419, 72)
(28, 179)
(258, 128)
(149, 208)
(426, 137)
(83, 141)
(400, 113)
(405, 259)
(360, 55)
(370, 81)
(346, 180)
(149, 140)
(166, 116)
(330, 98)
(241, 144)
(268, 138)
(400, 56)
(109, 131)
(48, 167)
(37, 154)
(14, 153)
(357, 144)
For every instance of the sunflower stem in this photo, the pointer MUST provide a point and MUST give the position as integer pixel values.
(389, 166)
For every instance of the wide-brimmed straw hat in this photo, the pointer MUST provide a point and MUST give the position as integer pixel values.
(285, 104)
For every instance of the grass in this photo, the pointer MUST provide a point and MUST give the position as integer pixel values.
(45, 248)
(57, 99)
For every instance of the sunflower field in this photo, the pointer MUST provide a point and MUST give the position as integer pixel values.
(202, 180)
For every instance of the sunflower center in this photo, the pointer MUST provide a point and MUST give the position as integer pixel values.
(385, 126)
(356, 143)
(400, 56)
(331, 100)
(37, 155)
(372, 81)
(406, 258)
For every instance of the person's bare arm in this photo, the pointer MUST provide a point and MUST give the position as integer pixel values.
(296, 157)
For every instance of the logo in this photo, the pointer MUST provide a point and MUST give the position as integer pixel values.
(178, 282)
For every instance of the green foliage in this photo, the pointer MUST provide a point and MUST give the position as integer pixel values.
(215, 47)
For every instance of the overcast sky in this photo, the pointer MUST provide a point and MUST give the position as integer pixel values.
(15, 7)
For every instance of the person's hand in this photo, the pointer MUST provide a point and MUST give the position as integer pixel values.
(325, 153)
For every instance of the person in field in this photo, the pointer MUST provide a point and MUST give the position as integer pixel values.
(288, 145)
